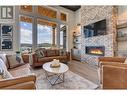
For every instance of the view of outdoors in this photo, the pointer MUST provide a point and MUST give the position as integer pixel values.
(61, 39)
(44, 36)
(26, 36)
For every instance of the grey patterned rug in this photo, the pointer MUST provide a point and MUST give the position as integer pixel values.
(72, 81)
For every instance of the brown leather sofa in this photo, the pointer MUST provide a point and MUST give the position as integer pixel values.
(22, 77)
(49, 56)
(113, 72)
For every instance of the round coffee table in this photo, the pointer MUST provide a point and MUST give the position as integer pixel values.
(57, 72)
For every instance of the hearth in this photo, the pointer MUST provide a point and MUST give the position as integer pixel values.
(95, 50)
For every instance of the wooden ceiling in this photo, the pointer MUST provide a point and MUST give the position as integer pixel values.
(71, 7)
(44, 11)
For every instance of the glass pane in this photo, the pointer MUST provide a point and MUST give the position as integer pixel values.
(44, 33)
(62, 36)
(61, 39)
(46, 12)
(26, 8)
(63, 17)
(26, 33)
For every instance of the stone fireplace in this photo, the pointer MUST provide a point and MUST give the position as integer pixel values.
(102, 45)
(95, 50)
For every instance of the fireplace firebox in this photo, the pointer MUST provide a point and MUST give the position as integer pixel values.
(95, 50)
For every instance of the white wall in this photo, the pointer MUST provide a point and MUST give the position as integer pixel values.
(122, 18)
(78, 16)
(15, 32)
(122, 12)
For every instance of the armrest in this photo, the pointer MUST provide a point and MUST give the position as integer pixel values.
(68, 56)
(25, 86)
(112, 59)
(25, 58)
(114, 77)
(34, 57)
(17, 80)
(110, 63)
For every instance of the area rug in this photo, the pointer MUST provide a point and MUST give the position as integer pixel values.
(72, 81)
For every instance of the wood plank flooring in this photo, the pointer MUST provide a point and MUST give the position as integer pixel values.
(85, 70)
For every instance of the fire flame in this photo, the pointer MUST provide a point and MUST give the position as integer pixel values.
(96, 51)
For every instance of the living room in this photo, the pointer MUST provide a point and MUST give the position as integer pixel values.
(63, 47)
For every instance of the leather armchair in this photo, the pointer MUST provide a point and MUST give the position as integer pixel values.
(22, 78)
(114, 77)
(110, 60)
(106, 63)
(24, 82)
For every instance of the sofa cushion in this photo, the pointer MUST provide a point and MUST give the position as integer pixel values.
(40, 52)
(50, 52)
(1, 77)
(13, 62)
(4, 58)
(48, 59)
(62, 52)
(57, 52)
(21, 67)
(20, 72)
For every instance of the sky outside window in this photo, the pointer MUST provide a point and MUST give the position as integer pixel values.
(26, 33)
(44, 34)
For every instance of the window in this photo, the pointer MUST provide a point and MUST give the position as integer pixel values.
(61, 39)
(62, 36)
(63, 17)
(26, 33)
(46, 12)
(45, 33)
(26, 8)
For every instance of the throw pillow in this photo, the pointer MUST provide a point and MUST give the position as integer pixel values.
(13, 61)
(5, 74)
(1, 77)
(40, 52)
(62, 52)
(3, 70)
(19, 58)
(125, 62)
(2, 64)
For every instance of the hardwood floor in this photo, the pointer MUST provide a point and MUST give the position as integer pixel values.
(85, 70)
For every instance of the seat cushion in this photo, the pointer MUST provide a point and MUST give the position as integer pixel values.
(48, 59)
(21, 67)
(20, 72)
(45, 59)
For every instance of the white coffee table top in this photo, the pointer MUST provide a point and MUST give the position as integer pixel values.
(62, 69)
